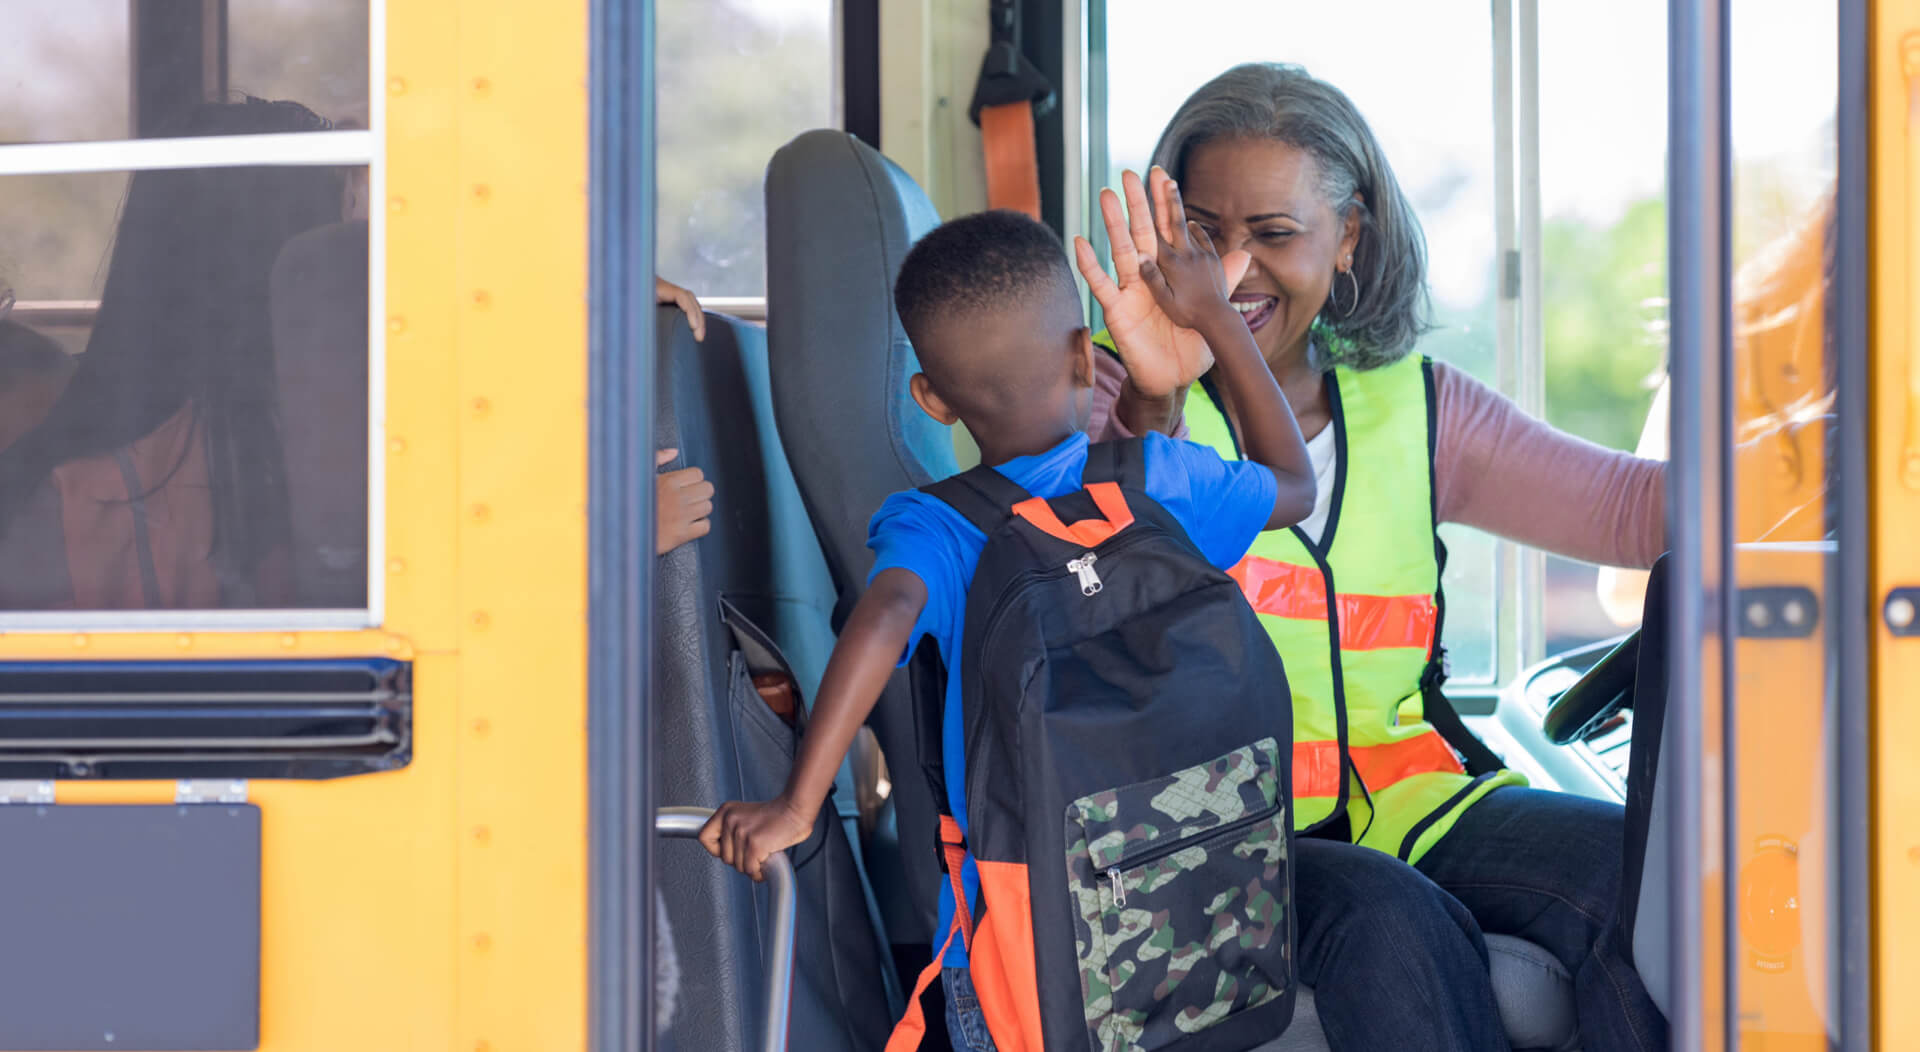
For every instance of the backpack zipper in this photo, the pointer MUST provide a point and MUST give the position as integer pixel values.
(1089, 580)
(1160, 851)
(1139, 533)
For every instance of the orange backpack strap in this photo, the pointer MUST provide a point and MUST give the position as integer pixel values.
(912, 1027)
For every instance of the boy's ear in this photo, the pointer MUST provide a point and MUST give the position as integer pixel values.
(930, 401)
(1084, 370)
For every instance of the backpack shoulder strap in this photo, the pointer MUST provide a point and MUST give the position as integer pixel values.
(1123, 461)
(982, 496)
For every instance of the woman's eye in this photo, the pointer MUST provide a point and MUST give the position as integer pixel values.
(1275, 236)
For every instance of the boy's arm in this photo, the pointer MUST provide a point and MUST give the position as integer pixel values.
(743, 834)
(1186, 278)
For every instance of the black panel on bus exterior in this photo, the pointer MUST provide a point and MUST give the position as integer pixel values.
(295, 718)
(130, 927)
(718, 740)
(840, 218)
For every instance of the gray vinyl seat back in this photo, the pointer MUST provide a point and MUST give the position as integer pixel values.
(840, 218)
(318, 310)
(750, 600)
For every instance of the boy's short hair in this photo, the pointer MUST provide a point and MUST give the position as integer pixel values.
(986, 260)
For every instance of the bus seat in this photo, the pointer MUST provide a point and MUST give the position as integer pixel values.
(317, 297)
(840, 217)
(749, 601)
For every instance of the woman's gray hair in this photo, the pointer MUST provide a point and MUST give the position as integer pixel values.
(1284, 103)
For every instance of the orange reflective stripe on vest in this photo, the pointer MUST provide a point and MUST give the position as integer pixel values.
(1367, 622)
(1316, 764)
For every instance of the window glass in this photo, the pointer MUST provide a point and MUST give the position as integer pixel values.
(736, 80)
(1426, 89)
(197, 439)
(90, 70)
(1603, 245)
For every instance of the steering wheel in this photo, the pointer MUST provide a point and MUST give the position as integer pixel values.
(1599, 695)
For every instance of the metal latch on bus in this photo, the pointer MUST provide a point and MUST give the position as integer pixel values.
(34, 791)
(210, 791)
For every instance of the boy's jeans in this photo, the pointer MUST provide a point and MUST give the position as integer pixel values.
(966, 1025)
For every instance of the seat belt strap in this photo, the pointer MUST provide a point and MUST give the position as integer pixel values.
(1013, 165)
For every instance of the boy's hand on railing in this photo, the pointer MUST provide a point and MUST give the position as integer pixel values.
(743, 834)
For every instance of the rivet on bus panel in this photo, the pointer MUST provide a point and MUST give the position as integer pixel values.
(397, 86)
(482, 298)
(396, 325)
(481, 407)
(481, 619)
(80, 641)
(288, 641)
(481, 727)
(183, 641)
(482, 835)
(1900, 614)
(397, 205)
(481, 192)
(481, 513)
(396, 566)
(482, 86)
(397, 446)
(482, 942)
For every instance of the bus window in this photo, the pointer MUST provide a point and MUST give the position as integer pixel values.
(1603, 250)
(736, 80)
(188, 352)
(104, 70)
(1440, 141)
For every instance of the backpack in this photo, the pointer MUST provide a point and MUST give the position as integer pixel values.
(1128, 769)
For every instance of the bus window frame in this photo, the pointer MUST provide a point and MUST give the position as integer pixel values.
(339, 148)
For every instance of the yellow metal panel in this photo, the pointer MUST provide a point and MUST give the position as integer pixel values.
(521, 325)
(443, 906)
(1895, 498)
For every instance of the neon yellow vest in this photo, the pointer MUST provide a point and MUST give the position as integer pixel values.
(1355, 665)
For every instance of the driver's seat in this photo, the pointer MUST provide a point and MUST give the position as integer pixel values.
(841, 216)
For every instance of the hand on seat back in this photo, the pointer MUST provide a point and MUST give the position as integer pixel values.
(683, 500)
(665, 292)
(1163, 357)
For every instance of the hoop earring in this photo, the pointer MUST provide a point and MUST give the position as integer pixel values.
(1354, 281)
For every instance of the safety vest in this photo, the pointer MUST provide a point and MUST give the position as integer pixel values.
(1362, 665)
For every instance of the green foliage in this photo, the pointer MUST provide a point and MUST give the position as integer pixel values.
(1604, 289)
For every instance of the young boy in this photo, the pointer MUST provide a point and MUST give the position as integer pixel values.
(992, 309)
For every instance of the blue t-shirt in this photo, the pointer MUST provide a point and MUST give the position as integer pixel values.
(1222, 505)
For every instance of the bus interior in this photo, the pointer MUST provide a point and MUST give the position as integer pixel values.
(1647, 223)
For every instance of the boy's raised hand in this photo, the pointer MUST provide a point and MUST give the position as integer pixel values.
(1163, 354)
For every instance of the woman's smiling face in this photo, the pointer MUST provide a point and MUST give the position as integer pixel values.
(1267, 197)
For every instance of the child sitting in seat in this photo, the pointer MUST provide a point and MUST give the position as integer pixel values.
(993, 312)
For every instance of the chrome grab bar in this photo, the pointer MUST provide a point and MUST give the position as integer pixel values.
(686, 822)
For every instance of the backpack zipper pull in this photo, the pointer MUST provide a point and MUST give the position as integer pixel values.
(1119, 887)
(1089, 580)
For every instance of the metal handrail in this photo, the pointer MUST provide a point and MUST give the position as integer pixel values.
(686, 822)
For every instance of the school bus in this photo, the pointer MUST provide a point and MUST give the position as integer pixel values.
(345, 701)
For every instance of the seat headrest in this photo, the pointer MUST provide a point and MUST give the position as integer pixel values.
(840, 218)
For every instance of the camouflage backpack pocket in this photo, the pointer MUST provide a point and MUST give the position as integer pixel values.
(1181, 899)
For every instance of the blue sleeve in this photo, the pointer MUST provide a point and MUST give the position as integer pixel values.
(1223, 504)
(907, 534)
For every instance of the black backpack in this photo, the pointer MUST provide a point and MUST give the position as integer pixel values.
(1129, 738)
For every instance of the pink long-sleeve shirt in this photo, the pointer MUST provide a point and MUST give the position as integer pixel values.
(1499, 470)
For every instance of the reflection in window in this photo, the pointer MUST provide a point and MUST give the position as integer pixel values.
(1438, 137)
(208, 448)
(736, 80)
(93, 70)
